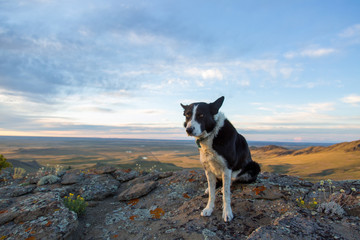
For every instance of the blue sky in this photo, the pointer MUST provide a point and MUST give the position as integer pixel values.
(289, 70)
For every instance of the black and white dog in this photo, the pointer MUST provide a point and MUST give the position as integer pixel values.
(224, 153)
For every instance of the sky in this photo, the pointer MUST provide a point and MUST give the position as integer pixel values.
(289, 70)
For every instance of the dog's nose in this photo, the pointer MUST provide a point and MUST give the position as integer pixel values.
(189, 130)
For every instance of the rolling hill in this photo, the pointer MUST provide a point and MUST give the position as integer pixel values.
(338, 162)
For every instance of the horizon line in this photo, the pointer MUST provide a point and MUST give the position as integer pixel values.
(171, 139)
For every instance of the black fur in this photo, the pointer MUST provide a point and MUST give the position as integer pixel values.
(233, 147)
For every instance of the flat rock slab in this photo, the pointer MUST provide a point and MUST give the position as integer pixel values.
(98, 187)
(136, 191)
(124, 175)
(71, 178)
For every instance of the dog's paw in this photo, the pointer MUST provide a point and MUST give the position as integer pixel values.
(227, 215)
(206, 212)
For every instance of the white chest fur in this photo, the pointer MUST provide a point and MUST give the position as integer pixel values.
(211, 161)
(209, 158)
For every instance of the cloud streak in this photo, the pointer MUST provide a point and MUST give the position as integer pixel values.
(352, 99)
(312, 53)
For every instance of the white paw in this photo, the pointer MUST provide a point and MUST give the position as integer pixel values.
(227, 215)
(207, 212)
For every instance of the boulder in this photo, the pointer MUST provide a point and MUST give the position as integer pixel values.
(136, 191)
(104, 169)
(71, 178)
(98, 187)
(124, 175)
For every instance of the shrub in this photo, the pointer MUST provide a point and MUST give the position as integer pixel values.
(4, 163)
(19, 173)
(78, 204)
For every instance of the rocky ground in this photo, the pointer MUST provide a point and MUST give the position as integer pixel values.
(126, 204)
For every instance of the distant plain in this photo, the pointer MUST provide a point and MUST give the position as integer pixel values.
(337, 162)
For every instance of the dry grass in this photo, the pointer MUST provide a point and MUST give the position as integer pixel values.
(338, 162)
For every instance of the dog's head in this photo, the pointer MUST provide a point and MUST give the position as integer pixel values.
(200, 117)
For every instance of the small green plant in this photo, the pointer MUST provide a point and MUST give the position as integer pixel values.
(19, 173)
(78, 204)
(309, 205)
(4, 163)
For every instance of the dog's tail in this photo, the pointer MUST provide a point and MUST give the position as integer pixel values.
(249, 173)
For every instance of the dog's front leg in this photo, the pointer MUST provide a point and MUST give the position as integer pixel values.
(211, 186)
(227, 212)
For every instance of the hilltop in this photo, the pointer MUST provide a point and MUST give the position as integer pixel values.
(339, 161)
(353, 146)
(127, 204)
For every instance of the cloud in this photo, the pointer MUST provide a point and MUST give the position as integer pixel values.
(312, 53)
(255, 65)
(290, 116)
(352, 99)
(284, 122)
(351, 31)
(317, 52)
(205, 73)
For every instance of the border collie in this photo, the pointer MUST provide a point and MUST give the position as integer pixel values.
(224, 153)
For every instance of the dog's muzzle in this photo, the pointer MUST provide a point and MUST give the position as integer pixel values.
(190, 130)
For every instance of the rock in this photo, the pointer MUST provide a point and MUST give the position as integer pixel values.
(331, 208)
(123, 175)
(7, 216)
(294, 226)
(19, 191)
(98, 187)
(137, 191)
(143, 179)
(16, 190)
(168, 206)
(71, 178)
(267, 192)
(165, 174)
(104, 169)
(39, 216)
(353, 210)
(49, 179)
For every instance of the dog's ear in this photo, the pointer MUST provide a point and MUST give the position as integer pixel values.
(215, 106)
(184, 106)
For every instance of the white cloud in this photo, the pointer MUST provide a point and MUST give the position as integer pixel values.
(244, 83)
(286, 72)
(319, 107)
(266, 65)
(311, 52)
(205, 73)
(351, 31)
(352, 99)
(317, 52)
(47, 43)
(290, 55)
